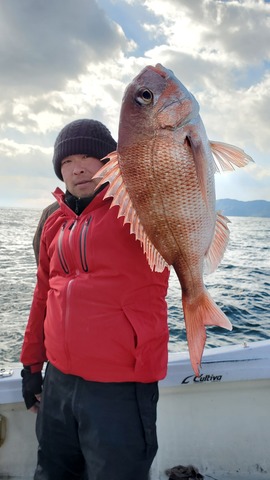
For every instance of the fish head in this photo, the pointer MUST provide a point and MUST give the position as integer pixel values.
(155, 100)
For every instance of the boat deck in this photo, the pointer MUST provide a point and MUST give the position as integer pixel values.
(206, 477)
(224, 477)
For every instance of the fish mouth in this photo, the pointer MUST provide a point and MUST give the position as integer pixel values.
(169, 104)
(179, 123)
(160, 70)
(164, 72)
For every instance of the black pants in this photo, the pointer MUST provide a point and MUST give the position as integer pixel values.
(95, 431)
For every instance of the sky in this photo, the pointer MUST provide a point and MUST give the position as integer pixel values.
(62, 60)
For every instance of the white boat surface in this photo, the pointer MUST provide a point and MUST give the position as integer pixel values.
(218, 422)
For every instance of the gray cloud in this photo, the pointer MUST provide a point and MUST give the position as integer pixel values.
(240, 29)
(237, 28)
(43, 43)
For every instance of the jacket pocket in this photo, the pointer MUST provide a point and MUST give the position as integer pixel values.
(150, 342)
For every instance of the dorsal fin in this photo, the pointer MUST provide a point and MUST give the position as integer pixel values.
(111, 173)
(218, 245)
(227, 157)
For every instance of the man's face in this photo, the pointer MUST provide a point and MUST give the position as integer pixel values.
(77, 172)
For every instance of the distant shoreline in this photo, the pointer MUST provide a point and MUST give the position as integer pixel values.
(237, 208)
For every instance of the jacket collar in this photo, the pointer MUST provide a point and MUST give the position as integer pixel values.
(68, 203)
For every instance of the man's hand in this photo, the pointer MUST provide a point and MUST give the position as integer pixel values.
(31, 388)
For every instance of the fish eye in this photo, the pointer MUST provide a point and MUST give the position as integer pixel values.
(144, 97)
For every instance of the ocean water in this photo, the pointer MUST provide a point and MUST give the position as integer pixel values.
(240, 285)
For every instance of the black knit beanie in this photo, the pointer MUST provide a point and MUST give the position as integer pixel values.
(87, 137)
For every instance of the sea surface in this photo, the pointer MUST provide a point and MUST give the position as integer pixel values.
(240, 285)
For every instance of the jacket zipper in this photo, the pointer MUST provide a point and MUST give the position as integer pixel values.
(60, 249)
(69, 286)
(83, 244)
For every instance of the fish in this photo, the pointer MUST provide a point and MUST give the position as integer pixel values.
(161, 177)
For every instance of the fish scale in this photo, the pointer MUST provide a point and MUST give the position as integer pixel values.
(157, 201)
(162, 179)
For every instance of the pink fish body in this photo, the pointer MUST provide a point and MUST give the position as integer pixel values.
(162, 178)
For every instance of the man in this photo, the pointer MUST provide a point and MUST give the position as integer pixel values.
(99, 317)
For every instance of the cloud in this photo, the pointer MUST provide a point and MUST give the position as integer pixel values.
(65, 60)
(21, 158)
(43, 44)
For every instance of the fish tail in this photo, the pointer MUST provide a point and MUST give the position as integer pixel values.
(204, 311)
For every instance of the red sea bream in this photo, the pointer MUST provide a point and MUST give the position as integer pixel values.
(162, 178)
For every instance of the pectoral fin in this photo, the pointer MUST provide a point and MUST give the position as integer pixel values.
(227, 157)
(199, 155)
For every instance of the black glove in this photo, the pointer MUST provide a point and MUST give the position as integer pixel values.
(31, 386)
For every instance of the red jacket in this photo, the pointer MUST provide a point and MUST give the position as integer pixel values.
(98, 310)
